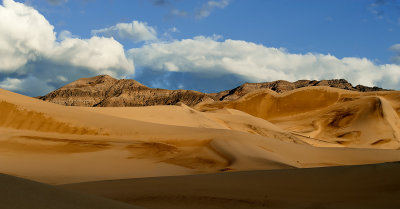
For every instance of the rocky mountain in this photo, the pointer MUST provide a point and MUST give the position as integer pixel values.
(105, 91)
(281, 86)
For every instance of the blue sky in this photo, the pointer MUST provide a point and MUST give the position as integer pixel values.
(343, 28)
(207, 45)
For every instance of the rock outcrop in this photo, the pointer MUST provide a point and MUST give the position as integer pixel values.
(105, 91)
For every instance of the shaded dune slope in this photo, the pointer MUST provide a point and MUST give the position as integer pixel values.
(17, 193)
(368, 186)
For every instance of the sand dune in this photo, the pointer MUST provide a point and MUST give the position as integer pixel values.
(17, 193)
(368, 186)
(58, 144)
(305, 128)
(325, 116)
(365, 122)
(182, 115)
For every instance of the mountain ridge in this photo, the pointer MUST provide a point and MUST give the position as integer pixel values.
(106, 91)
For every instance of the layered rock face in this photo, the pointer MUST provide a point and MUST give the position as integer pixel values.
(105, 91)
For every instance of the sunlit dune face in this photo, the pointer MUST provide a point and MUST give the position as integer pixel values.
(16, 117)
(337, 117)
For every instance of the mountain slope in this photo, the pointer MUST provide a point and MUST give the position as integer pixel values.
(105, 91)
(282, 86)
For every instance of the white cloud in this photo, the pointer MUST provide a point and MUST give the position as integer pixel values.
(28, 47)
(98, 54)
(395, 48)
(24, 35)
(252, 62)
(65, 34)
(135, 31)
(173, 30)
(12, 84)
(29, 85)
(208, 7)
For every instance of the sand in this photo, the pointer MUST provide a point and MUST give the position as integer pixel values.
(352, 187)
(17, 193)
(322, 114)
(264, 150)
(56, 144)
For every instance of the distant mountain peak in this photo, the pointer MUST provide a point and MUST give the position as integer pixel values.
(104, 90)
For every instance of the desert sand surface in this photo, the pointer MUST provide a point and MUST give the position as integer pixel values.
(352, 187)
(18, 193)
(57, 144)
(336, 116)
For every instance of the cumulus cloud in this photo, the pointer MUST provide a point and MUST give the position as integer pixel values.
(30, 52)
(209, 58)
(29, 85)
(65, 34)
(135, 31)
(24, 35)
(208, 7)
(97, 54)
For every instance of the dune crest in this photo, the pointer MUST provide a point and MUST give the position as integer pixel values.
(16, 117)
